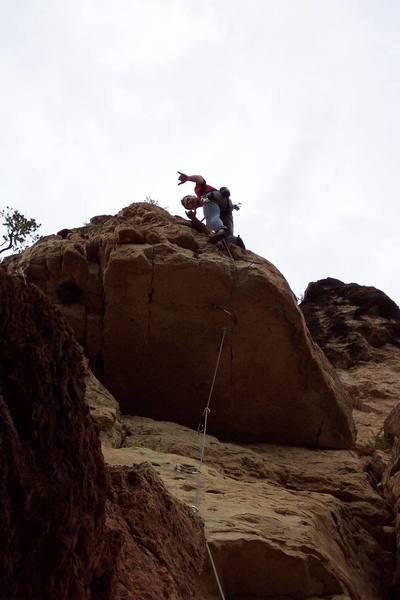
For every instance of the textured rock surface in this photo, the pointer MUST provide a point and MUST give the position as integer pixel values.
(375, 390)
(53, 486)
(67, 531)
(104, 409)
(359, 328)
(391, 486)
(295, 523)
(149, 298)
(350, 322)
(159, 541)
(281, 522)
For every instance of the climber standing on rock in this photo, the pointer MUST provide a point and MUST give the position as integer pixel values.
(217, 207)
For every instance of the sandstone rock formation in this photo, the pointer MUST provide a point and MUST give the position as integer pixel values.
(155, 543)
(350, 322)
(285, 523)
(281, 522)
(104, 410)
(390, 475)
(53, 484)
(70, 530)
(293, 522)
(149, 299)
(359, 329)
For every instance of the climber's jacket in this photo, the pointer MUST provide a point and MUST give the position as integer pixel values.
(223, 201)
(208, 193)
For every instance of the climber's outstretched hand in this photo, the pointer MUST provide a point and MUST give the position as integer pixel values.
(182, 178)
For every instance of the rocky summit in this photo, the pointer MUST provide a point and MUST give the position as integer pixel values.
(292, 492)
(150, 301)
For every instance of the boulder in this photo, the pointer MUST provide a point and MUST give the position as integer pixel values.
(153, 316)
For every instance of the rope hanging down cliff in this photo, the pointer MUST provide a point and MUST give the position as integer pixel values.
(201, 460)
(197, 470)
(203, 429)
(205, 416)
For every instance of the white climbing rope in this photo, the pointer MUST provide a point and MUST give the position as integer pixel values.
(206, 412)
(190, 470)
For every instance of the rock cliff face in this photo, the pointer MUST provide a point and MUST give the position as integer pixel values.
(389, 471)
(155, 544)
(359, 329)
(150, 300)
(281, 522)
(293, 522)
(69, 529)
(53, 484)
(350, 322)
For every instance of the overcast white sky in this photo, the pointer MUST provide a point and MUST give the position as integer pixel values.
(293, 104)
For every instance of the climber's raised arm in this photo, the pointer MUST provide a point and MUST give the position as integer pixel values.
(183, 178)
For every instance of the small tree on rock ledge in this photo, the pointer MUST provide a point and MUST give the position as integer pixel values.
(19, 231)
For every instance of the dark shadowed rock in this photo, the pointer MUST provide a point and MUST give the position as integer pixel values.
(59, 538)
(53, 485)
(350, 321)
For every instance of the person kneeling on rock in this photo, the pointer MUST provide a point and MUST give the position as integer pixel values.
(217, 207)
